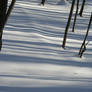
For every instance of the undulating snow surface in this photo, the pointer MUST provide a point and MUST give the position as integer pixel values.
(32, 58)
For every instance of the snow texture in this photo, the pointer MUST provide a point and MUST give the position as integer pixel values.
(32, 58)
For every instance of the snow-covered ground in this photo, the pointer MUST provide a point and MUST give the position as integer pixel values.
(32, 58)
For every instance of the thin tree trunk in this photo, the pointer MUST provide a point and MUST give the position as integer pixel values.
(43, 2)
(3, 9)
(6, 16)
(75, 16)
(82, 8)
(84, 42)
(68, 24)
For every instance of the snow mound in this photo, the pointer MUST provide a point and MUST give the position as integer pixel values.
(63, 2)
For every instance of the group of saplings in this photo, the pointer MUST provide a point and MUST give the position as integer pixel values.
(4, 14)
(85, 43)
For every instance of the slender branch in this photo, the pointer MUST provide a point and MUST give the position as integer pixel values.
(77, 8)
(84, 42)
(68, 24)
(82, 8)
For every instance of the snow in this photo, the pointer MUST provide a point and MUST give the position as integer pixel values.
(32, 58)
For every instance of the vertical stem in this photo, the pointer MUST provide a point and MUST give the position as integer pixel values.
(75, 16)
(5, 20)
(68, 24)
(3, 9)
(86, 35)
(82, 8)
(43, 2)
